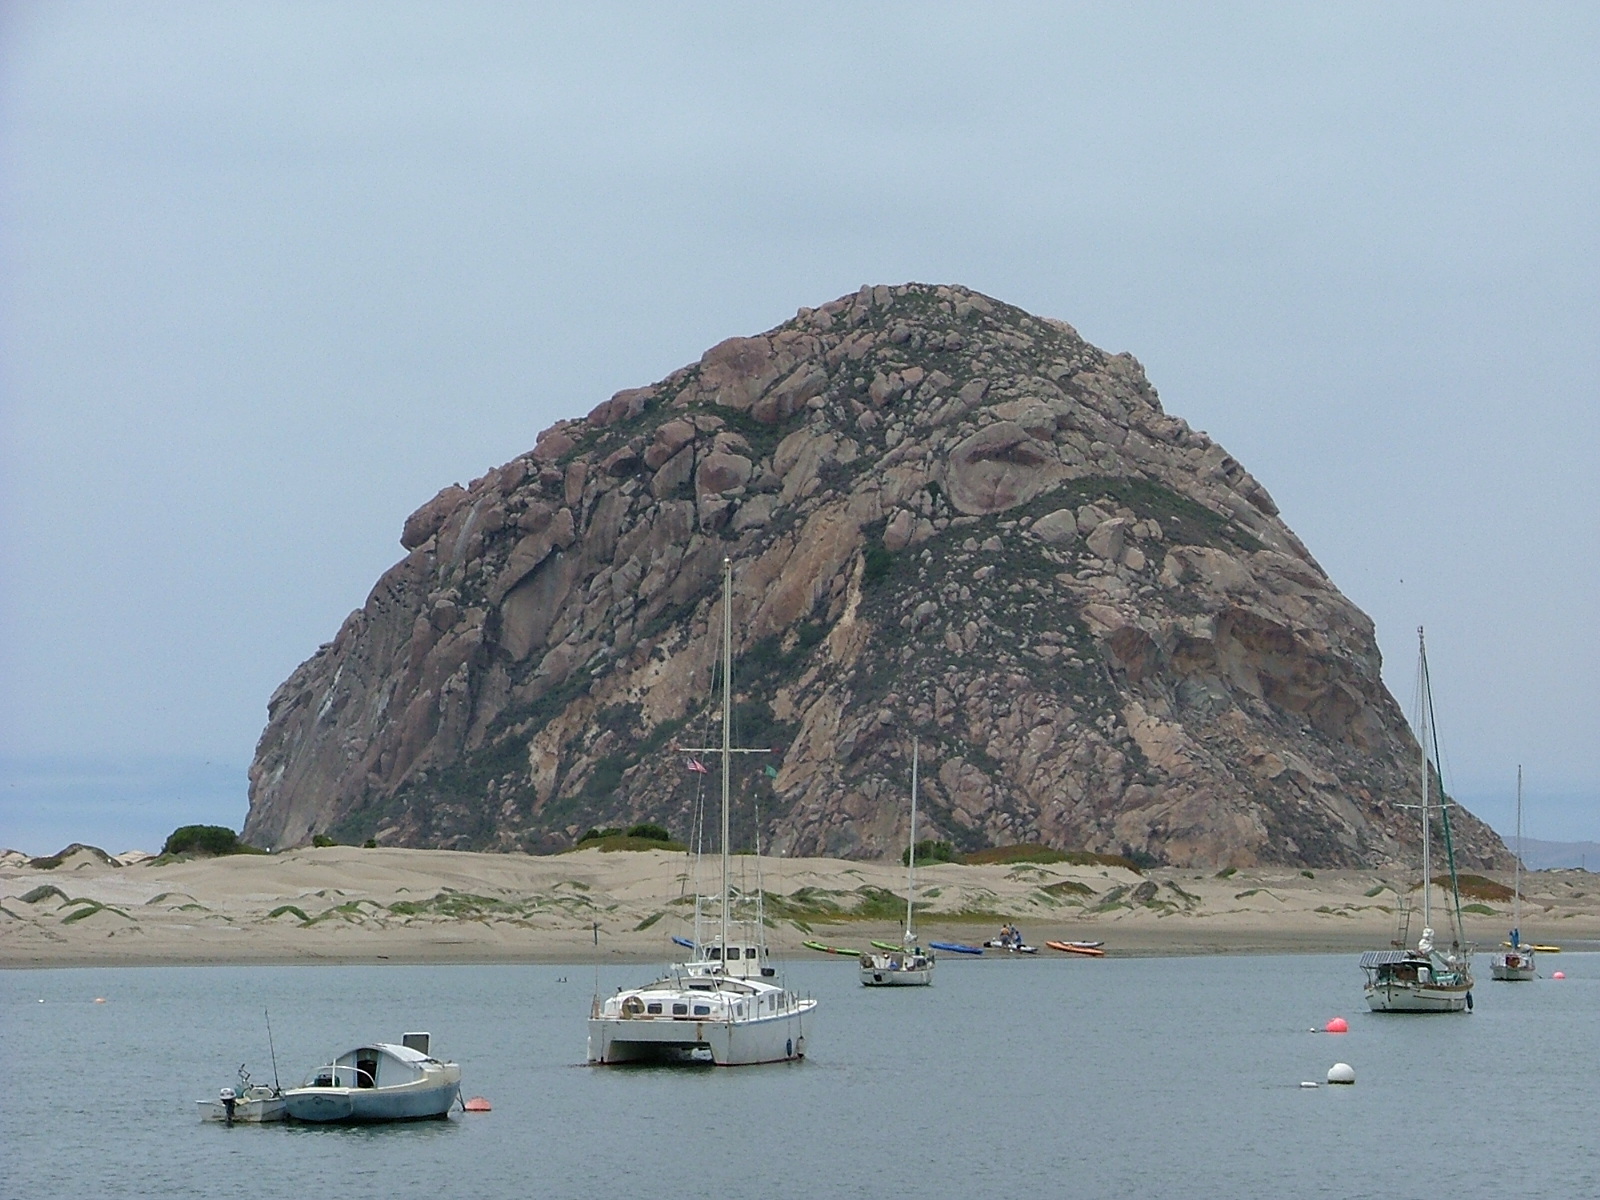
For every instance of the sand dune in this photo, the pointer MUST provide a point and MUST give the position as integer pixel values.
(343, 904)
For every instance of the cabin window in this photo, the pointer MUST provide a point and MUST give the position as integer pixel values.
(653, 1008)
(680, 1010)
(702, 1010)
(750, 952)
(733, 952)
(366, 1072)
(716, 952)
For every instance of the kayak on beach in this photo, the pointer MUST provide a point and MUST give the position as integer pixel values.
(956, 948)
(1090, 949)
(831, 949)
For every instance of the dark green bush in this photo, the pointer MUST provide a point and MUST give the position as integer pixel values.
(651, 832)
(929, 851)
(879, 563)
(595, 835)
(205, 839)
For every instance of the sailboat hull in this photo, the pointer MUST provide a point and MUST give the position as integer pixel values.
(922, 978)
(1513, 967)
(892, 970)
(781, 1038)
(1416, 998)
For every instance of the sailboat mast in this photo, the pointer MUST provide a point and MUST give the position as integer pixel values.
(1516, 902)
(727, 736)
(1427, 791)
(911, 854)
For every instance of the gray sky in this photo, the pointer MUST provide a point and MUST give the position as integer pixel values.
(272, 274)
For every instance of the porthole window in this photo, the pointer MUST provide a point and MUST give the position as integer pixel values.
(680, 1010)
(702, 1010)
(653, 1008)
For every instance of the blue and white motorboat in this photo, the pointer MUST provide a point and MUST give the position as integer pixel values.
(378, 1082)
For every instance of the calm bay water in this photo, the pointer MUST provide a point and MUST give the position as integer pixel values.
(1124, 1077)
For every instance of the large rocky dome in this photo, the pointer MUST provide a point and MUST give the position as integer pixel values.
(948, 520)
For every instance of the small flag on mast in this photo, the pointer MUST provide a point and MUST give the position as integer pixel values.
(697, 766)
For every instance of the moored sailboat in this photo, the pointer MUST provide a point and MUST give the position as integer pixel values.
(908, 964)
(1515, 964)
(724, 1006)
(1425, 978)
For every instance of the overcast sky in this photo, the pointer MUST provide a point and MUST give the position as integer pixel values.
(273, 274)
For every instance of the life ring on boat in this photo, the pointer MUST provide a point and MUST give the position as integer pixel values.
(633, 1007)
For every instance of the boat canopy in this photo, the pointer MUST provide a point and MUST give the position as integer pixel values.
(1382, 958)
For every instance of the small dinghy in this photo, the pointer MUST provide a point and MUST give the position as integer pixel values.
(1011, 947)
(378, 1082)
(1010, 940)
(255, 1103)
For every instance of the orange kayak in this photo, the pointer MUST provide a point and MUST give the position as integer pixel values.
(1077, 948)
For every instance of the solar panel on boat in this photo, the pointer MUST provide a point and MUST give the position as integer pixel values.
(1378, 958)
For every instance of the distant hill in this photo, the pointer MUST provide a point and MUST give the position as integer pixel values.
(1549, 856)
(949, 520)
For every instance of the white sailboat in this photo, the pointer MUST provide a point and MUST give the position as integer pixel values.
(905, 965)
(1515, 964)
(1424, 979)
(724, 1006)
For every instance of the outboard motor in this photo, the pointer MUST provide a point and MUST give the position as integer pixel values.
(229, 1098)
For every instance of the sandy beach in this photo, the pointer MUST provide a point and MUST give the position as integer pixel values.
(349, 905)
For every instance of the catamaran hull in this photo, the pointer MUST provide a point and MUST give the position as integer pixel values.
(1416, 998)
(724, 1043)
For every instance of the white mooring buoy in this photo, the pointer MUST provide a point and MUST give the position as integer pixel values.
(1341, 1073)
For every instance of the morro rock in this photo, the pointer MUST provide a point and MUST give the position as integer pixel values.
(948, 519)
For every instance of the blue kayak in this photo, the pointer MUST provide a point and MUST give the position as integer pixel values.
(956, 947)
(683, 941)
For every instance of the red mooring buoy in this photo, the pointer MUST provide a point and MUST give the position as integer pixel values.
(1337, 1025)
(1559, 975)
(476, 1104)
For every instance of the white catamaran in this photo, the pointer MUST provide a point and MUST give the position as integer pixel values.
(1425, 979)
(1515, 963)
(905, 965)
(723, 1006)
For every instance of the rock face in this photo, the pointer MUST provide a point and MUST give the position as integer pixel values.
(947, 519)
